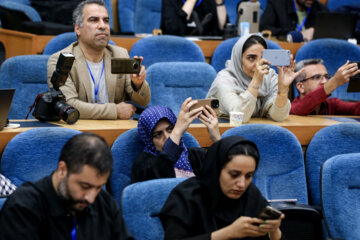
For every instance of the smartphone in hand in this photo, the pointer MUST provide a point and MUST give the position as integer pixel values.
(277, 57)
(125, 65)
(213, 103)
(269, 213)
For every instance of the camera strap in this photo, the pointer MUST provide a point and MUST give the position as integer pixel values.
(96, 88)
(32, 106)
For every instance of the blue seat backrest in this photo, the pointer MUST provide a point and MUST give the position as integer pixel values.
(340, 195)
(166, 48)
(27, 74)
(172, 82)
(223, 52)
(147, 15)
(125, 150)
(126, 12)
(231, 10)
(141, 204)
(34, 153)
(326, 143)
(281, 170)
(108, 5)
(335, 53)
(333, 4)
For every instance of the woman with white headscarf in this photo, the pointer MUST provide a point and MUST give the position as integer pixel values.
(249, 85)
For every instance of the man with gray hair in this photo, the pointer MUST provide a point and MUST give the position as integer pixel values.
(90, 87)
(315, 87)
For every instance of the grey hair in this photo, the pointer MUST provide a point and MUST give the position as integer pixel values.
(303, 63)
(78, 14)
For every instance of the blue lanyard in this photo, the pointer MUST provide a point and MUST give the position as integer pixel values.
(73, 231)
(92, 78)
(197, 4)
(298, 27)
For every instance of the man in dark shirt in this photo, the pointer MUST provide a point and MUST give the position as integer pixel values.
(283, 16)
(71, 202)
(315, 86)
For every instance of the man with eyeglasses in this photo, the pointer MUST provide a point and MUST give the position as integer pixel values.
(315, 87)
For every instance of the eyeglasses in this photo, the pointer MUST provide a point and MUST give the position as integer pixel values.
(317, 77)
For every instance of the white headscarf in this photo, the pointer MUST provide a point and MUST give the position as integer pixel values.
(234, 77)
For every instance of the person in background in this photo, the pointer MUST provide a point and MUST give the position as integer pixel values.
(90, 87)
(165, 154)
(193, 17)
(315, 86)
(71, 202)
(249, 85)
(283, 17)
(221, 202)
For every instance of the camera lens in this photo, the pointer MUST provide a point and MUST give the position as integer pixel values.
(214, 103)
(67, 112)
(136, 65)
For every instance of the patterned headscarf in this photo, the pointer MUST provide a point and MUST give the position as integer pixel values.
(147, 122)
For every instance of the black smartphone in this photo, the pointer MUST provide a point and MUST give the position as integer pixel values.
(269, 213)
(125, 65)
(354, 83)
(213, 103)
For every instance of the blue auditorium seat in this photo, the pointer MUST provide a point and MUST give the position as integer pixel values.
(34, 153)
(27, 74)
(173, 82)
(147, 16)
(126, 12)
(125, 149)
(281, 170)
(333, 4)
(326, 143)
(334, 52)
(141, 204)
(340, 196)
(166, 48)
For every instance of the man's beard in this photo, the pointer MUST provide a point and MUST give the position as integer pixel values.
(66, 198)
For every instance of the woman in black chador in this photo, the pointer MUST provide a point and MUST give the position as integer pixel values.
(222, 202)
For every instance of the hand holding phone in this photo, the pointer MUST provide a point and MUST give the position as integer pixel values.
(125, 65)
(213, 103)
(269, 213)
(277, 57)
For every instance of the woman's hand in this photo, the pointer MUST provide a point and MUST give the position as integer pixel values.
(184, 119)
(286, 76)
(262, 68)
(209, 119)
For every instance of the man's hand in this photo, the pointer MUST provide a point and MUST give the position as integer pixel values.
(125, 110)
(342, 76)
(138, 79)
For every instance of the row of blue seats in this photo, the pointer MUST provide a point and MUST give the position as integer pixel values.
(142, 16)
(282, 172)
(170, 81)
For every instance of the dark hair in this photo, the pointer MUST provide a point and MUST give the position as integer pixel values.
(252, 41)
(78, 13)
(243, 148)
(87, 149)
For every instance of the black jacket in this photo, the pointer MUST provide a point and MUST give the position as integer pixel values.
(280, 16)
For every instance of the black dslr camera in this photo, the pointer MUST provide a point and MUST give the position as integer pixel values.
(51, 106)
